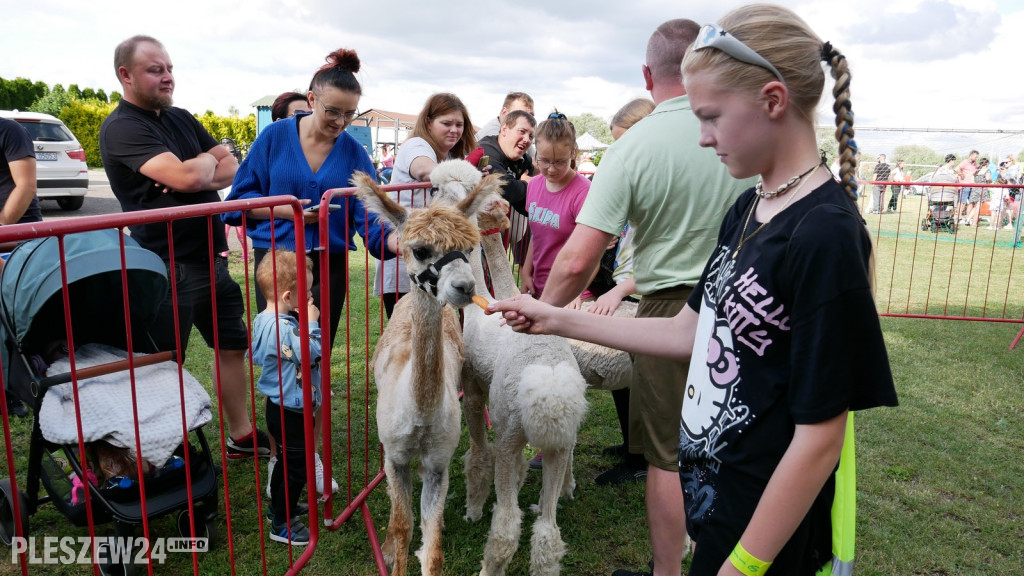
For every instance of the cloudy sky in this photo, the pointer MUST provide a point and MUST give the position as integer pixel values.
(915, 64)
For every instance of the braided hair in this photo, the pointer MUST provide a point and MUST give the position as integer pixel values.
(844, 117)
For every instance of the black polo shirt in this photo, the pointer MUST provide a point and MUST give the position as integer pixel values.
(129, 138)
(15, 144)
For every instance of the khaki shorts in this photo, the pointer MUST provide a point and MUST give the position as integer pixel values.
(656, 396)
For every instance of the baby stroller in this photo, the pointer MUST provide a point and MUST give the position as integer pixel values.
(32, 326)
(941, 206)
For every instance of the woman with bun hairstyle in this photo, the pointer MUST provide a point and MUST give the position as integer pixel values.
(443, 131)
(304, 156)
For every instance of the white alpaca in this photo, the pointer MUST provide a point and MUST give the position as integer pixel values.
(417, 363)
(536, 395)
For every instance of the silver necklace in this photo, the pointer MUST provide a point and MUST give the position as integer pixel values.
(758, 189)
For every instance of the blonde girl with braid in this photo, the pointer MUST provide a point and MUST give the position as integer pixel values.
(781, 332)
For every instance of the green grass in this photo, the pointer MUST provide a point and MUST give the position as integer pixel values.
(939, 477)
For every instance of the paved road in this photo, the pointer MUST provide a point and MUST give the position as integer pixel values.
(99, 200)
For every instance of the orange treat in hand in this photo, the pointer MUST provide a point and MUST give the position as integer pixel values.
(480, 301)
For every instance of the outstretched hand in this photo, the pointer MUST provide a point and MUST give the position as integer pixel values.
(524, 314)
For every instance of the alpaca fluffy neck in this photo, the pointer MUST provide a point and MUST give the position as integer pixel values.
(427, 335)
(502, 280)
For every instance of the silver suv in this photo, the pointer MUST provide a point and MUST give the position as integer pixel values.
(61, 171)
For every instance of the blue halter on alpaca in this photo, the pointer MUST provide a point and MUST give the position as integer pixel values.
(427, 280)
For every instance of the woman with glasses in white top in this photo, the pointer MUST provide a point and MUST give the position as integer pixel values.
(443, 131)
(781, 332)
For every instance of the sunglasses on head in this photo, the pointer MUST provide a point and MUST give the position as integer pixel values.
(711, 36)
(557, 116)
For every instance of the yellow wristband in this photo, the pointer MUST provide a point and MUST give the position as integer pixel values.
(746, 563)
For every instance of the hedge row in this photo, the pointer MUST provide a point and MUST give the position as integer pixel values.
(84, 118)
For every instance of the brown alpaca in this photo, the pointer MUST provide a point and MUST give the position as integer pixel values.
(418, 360)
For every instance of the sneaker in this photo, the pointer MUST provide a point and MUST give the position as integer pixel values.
(16, 408)
(270, 472)
(624, 572)
(293, 532)
(319, 465)
(246, 448)
(618, 450)
(301, 509)
(537, 462)
(620, 474)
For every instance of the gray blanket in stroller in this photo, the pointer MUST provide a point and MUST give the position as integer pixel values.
(106, 405)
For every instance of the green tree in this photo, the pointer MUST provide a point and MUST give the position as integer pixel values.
(102, 96)
(88, 94)
(916, 156)
(20, 93)
(53, 102)
(241, 130)
(74, 91)
(115, 97)
(827, 143)
(597, 127)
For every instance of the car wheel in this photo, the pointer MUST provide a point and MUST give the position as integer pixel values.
(71, 202)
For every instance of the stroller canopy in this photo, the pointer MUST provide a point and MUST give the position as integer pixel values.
(31, 300)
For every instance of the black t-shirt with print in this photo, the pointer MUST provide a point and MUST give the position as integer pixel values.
(788, 334)
(130, 137)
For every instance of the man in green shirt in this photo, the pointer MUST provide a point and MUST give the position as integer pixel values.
(674, 194)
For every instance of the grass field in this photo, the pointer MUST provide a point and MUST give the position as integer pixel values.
(939, 477)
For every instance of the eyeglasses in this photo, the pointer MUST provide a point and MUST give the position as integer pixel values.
(543, 162)
(557, 116)
(334, 114)
(712, 36)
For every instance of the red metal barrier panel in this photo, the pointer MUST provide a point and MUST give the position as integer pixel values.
(940, 256)
(120, 462)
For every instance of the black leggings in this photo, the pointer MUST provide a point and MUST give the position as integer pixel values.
(295, 452)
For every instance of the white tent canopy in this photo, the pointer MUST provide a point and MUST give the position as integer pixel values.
(588, 143)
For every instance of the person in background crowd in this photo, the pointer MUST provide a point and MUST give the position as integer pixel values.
(882, 174)
(898, 175)
(965, 174)
(979, 194)
(18, 201)
(513, 101)
(287, 105)
(159, 156)
(387, 163)
(443, 131)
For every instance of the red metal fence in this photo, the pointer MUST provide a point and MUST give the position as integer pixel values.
(925, 268)
(930, 264)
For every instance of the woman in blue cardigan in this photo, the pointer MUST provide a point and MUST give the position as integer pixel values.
(305, 156)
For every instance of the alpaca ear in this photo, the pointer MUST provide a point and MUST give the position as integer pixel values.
(484, 191)
(377, 201)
